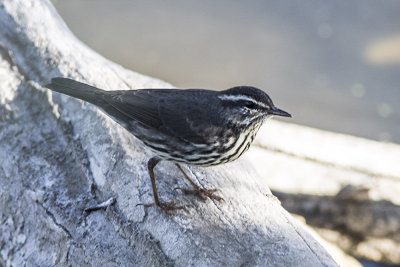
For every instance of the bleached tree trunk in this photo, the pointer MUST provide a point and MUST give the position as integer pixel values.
(59, 155)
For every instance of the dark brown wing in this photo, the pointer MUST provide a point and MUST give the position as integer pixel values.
(190, 115)
(139, 105)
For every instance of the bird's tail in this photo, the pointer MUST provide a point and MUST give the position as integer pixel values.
(76, 89)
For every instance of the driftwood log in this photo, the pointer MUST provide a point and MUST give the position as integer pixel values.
(362, 227)
(346, 187)
(59, 155)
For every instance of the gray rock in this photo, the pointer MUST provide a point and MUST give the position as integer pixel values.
(60, 155)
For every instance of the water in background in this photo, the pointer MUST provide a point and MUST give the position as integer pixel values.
(334, 65)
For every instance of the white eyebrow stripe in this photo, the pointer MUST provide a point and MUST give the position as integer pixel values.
(241, 97)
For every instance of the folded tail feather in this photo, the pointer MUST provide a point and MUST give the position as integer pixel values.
(75, 89)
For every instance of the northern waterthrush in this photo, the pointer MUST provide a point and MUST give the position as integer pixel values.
(193, 126)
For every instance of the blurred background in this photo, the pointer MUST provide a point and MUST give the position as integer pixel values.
(334, 65)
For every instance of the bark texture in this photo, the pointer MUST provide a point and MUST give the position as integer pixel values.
(59, 155)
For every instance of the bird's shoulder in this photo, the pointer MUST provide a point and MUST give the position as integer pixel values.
(192, 115)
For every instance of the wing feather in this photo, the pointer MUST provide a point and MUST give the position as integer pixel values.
(139, 105)
(172, 112)
(191, 115)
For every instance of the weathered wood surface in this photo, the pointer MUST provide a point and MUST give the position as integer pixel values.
(347, 187)
(60, 155)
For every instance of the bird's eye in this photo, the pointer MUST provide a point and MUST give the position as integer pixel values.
(250, 105)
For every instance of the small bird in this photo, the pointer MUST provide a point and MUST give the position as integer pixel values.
(193, 126)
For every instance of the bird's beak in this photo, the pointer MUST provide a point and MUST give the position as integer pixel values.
(279, 112)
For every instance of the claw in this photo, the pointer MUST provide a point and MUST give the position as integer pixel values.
(203, 193)
(168, 207)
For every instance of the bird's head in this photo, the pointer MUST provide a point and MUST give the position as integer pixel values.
(248, 105)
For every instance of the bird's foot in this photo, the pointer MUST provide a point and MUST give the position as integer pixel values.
(167, 207)
(203, 193)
